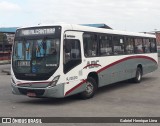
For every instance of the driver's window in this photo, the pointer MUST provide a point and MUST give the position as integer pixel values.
(72, 54)
(28, 51)
(19, 51)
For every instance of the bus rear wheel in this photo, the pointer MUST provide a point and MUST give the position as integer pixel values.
(138, 76)
(90, 89)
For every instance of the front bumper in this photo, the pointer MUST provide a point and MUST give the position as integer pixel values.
(53, 92)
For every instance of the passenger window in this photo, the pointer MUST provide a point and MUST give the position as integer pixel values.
(138, 46)
(129, 45)
(146, 44)
(153, 45)
(106, 45)
(118, 45)
(90, 45)
(72, 54)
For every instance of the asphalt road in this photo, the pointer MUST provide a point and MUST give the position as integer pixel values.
(122, 99)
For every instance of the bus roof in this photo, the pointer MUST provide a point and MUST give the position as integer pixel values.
(76, 27)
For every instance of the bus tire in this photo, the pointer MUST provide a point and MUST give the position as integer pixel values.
(138, 76)
(90, 89)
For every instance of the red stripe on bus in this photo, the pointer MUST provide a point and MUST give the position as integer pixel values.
(78, 85)
(124, 59)
(110, 65)
(91, 65)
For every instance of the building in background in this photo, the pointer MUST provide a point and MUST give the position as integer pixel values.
(6, 40)
(158, 37)
(158, 41)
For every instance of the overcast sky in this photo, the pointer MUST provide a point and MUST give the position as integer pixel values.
(129, 15)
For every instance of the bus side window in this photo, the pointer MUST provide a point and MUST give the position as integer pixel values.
(146, 44)
(118, 45)
(72, 54)
(153, 47)
(106, 45)
(90, 45)
(138, 46)
(129, 46)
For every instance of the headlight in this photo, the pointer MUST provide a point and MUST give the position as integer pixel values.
(54, 81)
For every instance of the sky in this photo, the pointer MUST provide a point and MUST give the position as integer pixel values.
(128, 15)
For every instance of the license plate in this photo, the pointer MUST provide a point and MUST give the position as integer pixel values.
(31, 94)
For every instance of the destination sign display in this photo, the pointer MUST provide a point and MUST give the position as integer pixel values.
(38, 31)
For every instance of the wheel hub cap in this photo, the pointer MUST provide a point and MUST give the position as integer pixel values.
(89, 88)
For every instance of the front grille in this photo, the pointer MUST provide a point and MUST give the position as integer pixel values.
(33, 77)
(34, 85)
(38, 92)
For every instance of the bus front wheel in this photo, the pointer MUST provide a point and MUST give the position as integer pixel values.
(90, 89)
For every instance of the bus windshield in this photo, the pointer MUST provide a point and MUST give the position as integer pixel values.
(36, 58)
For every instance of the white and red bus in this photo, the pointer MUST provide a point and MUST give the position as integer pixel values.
(63, 60)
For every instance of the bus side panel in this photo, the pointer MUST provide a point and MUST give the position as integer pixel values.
(147, 66)
(125, 68)
(112, 74)
(118, 69)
